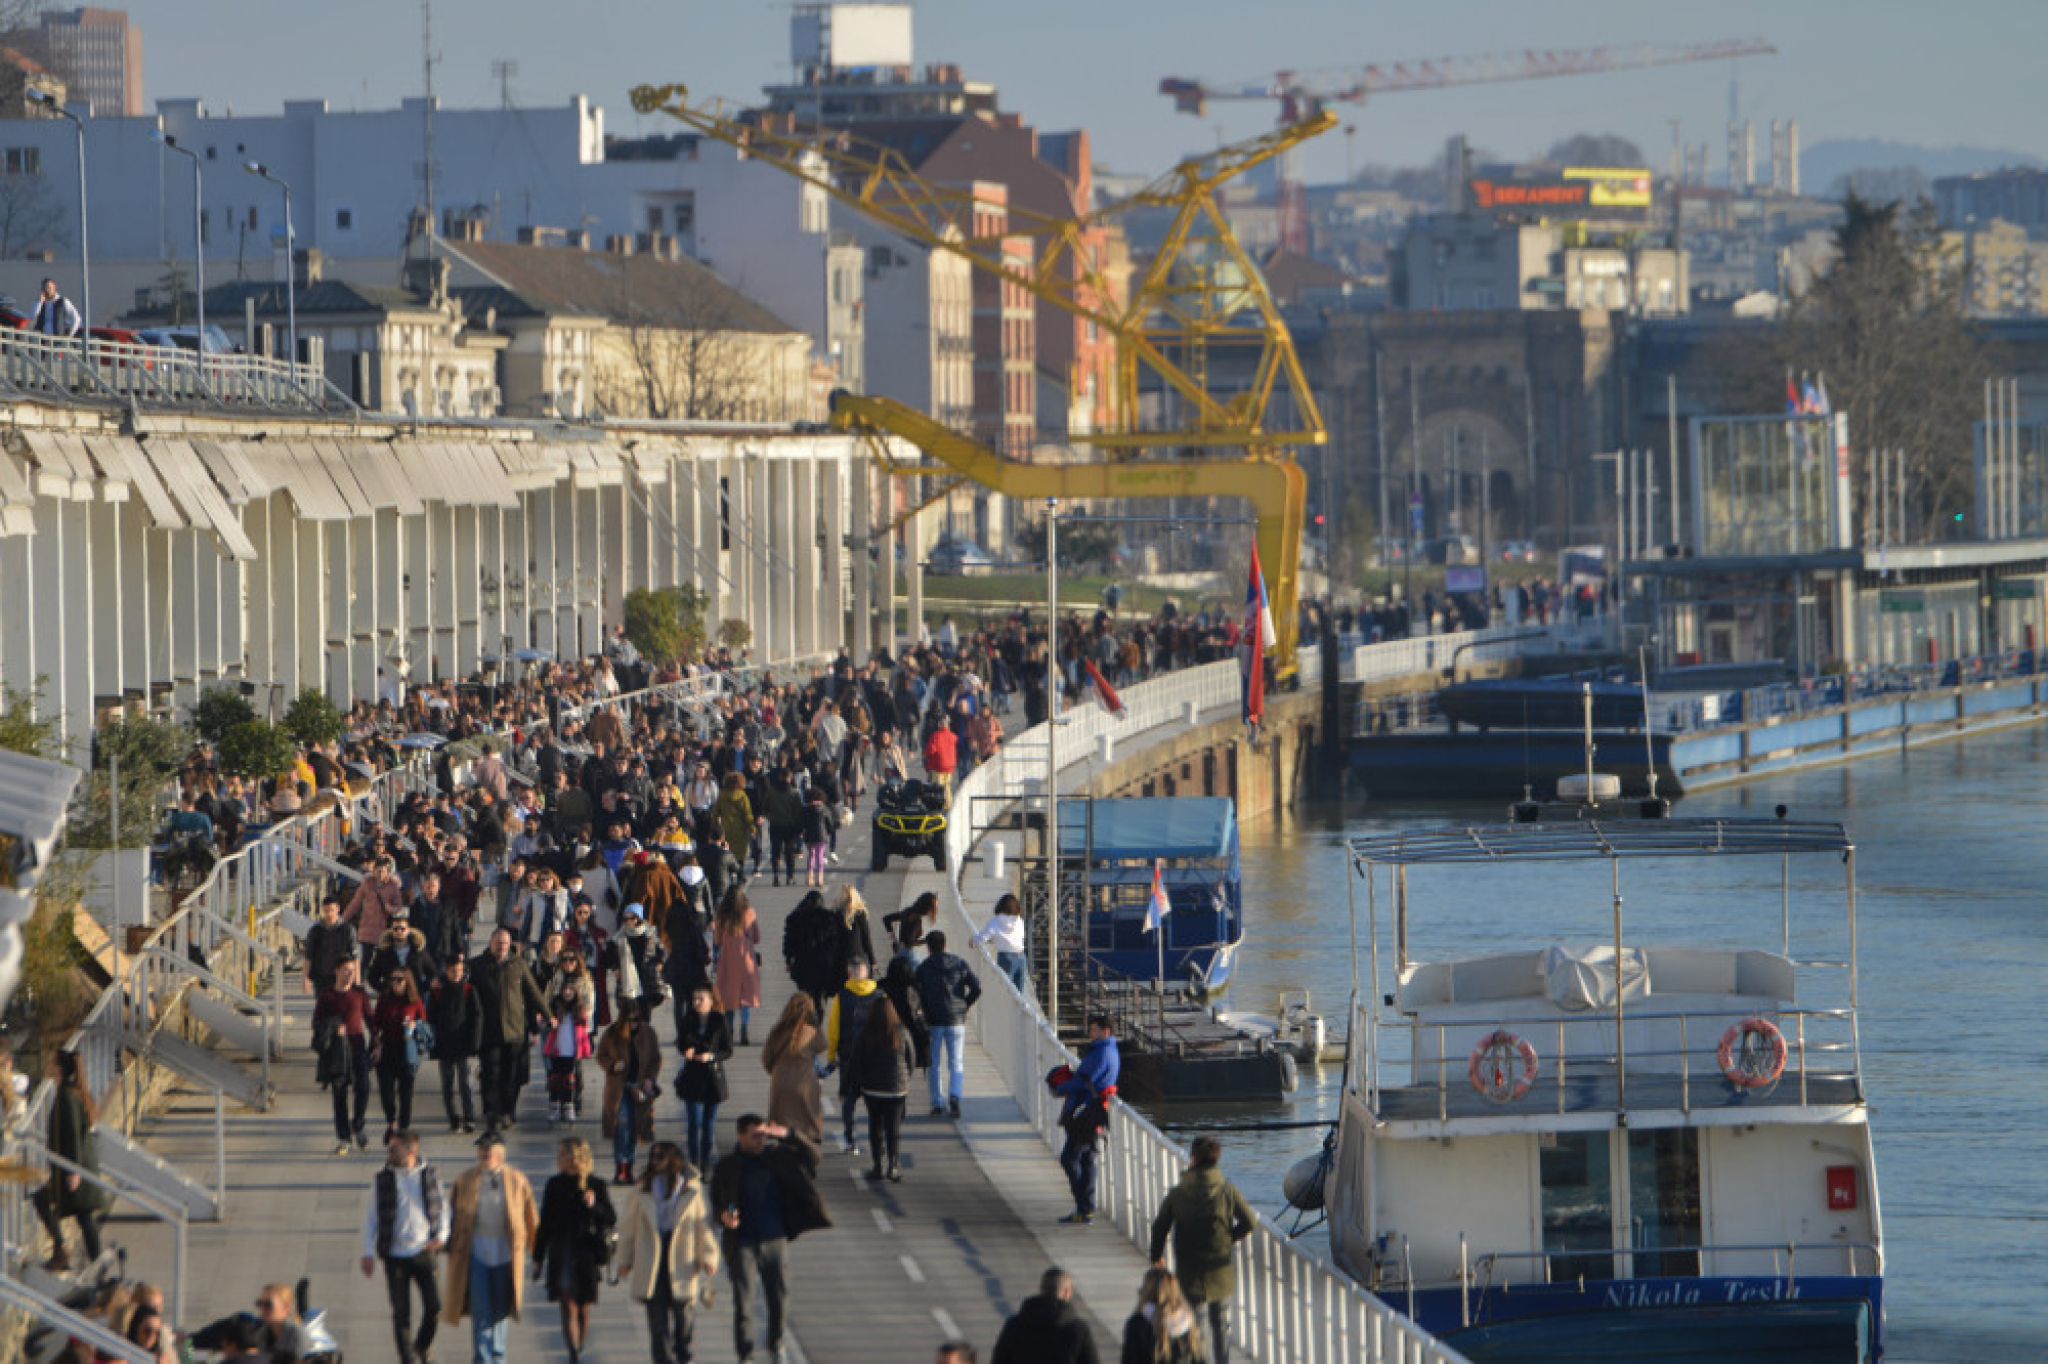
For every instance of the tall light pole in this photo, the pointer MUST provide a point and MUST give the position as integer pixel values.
(291, 264)
(49, 101)
(198, 240)
(1052, 762)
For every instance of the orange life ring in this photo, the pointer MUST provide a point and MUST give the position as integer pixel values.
(1490, 1071)
(1753, 1065)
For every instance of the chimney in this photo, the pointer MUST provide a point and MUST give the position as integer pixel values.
(529, 235)
(649, 244)
(578, 239)
(307, 266)
(618, 244)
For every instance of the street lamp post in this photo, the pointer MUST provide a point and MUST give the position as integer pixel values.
(291, 301)
(49, 101)
(198, 241)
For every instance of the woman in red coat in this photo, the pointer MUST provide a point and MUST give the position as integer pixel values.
(399, 1009)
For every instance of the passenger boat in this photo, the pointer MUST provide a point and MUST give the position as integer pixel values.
(1620, 1145)
(1109, 848)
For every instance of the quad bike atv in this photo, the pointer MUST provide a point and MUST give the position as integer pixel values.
(910, 821)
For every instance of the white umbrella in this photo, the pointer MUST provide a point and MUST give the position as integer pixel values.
(421, 739)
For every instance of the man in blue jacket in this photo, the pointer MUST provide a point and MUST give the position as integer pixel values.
(947, 987)
(1086, 1113)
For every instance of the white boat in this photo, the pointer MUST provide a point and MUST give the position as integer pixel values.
(1543, 1157)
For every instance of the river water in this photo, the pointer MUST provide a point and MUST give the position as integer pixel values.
(1952, 919)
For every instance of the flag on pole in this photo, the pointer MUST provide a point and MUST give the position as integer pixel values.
(1820, 401)
(1156, 908)
(1105, 693)
(1791, 395)
(1259, 636)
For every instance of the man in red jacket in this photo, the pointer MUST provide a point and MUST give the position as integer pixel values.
(941, 756)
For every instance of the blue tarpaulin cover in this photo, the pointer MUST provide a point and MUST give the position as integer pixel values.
(1171, 827)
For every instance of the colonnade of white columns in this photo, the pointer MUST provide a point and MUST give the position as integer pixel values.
(147, 567)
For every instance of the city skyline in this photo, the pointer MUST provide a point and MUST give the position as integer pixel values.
(1844, 71)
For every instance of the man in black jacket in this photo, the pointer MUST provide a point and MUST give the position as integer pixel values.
(457, 1019)
(510, 1001)
(329, 943)
(766, 1197)
(1046, 1329)
(948, 987)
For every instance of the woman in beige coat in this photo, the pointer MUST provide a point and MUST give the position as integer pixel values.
(492, 1221)
(668, 1249)
(790, 1058)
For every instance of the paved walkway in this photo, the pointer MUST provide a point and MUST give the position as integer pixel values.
(949, 1252)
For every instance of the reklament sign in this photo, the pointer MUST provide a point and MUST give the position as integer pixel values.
(1577, 191)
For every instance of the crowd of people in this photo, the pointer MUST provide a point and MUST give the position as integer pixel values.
(570, 870)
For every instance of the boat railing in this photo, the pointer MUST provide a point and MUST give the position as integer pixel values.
(1785, 1262)
(1788, 699)
(1653, 1059)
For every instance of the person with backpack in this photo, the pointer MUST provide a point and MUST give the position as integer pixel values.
(405, 1224)
(811, 939)
(1206, 1217)
(573, 1245)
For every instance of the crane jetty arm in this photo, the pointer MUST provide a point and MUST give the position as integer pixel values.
(1200, 305)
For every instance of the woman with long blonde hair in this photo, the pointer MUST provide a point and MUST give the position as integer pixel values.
(1163, 1328)
(576, 1217)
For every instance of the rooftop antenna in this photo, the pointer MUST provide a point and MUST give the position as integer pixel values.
(502, 71)
(428, 170)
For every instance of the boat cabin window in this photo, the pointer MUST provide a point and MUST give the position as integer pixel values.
(1664, 1201)
(1578, 1205)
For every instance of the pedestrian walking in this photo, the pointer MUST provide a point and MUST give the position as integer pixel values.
(393, 1025)
(492, 1222)
(817, 834)
(1087, 1091)
(68, 1134)
(329, 942)
(767, 1196)
(811, 949)
(510, 1002)
(457, 1018)
(1163, 1328)
(736, 944)
(1004, 931)
(1205, 1216)
(1046, 1329)
(573, 1244)
(790, 1056)
(629, 1057)
(705, 1043)
(668, 1250)
(405, 1224)
(341, 1043)
(883, 1060)
(947, 987)
(844, 1023)
(567, 1040)
(635, 954)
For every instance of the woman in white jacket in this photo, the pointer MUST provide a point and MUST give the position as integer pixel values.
(668, 1248)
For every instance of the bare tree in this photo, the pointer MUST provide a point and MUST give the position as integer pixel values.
(1595, 149)
(689, 358)
(30, 217)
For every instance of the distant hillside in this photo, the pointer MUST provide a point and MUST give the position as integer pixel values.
(1823, 162)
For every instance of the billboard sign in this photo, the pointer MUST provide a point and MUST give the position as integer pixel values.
(1575, 192)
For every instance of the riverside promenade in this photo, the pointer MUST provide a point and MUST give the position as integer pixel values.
(948, 1253)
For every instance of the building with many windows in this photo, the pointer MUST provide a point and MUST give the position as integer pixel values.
(100, 54)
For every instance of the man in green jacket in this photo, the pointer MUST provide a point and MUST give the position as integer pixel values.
(1206, 1217)
(510, 1002)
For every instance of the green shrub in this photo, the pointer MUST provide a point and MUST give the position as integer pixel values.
(666, 624)
(313, 719)
(256, 748)
(219, 710)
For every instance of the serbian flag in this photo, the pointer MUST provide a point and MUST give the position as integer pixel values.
(1156, 908)
(1259, 636)
(1791, 395)
(1111, 702)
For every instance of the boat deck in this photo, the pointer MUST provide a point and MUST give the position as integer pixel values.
(1596, 1093)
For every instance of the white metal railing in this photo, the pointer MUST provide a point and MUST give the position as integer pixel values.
(1437, 653)
(1290, 1305)
(35, 365)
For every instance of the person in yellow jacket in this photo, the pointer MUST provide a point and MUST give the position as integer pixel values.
(668, 1250)
(843, 1020)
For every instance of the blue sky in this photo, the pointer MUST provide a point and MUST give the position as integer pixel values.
(1939, 74)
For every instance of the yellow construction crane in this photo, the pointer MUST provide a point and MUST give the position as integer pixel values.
(1200, 301)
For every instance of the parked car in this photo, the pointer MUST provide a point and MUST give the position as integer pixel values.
(1450, 549)
(954, 557)
(1518, 552)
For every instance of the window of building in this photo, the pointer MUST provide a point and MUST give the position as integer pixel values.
(24, 161)
(655, 217)
(344, 219)
(252, 217)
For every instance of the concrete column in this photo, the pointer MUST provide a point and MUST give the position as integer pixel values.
(616, 531)
(563, 511)
(338, 577)
(17, 611)
(490, 539)
(132, 579)
(50, 615)
(769, 619)
(109, 645)
(466, 577)
(590, 570)
(269, 605)
(666, 530)
(869, 552)
(446, 662)
(391, 635)
(233, 596)
(181, 619)
(710, 570)
(913, 572)
(304, 668)
(206, 604)
(418, 590)
(816, 591)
